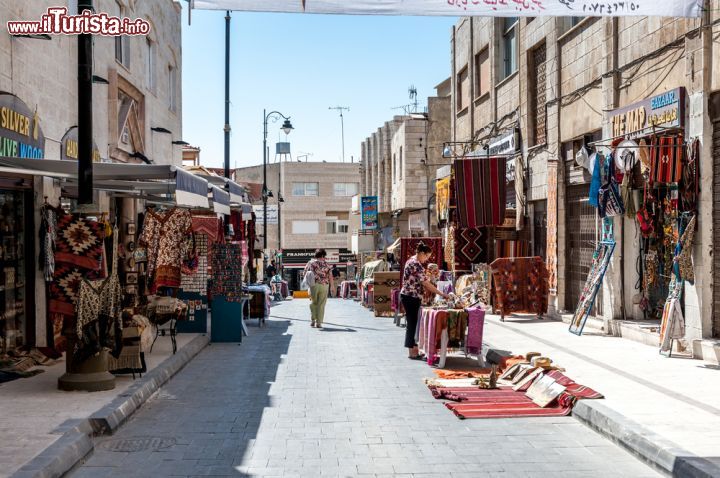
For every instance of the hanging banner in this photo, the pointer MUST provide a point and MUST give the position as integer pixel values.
(496, 8)
(369, 212)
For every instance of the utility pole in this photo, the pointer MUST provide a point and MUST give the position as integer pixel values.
(226, 129)
(342, 125)
(85, 111)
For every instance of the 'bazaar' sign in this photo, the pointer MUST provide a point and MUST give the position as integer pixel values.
(666, 110)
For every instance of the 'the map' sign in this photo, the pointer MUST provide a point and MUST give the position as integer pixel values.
(498, 8)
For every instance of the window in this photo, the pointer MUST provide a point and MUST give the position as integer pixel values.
(482, 73)
(537, 95)
(122, 44)
(395, 169)
(400, 165)
(462, 89)
(151, 81)
(346, 189)
(509, 46)
(335, 226)
(306, 227)
(305, 189)
(172, 88)
(343, 227)
(331, 227)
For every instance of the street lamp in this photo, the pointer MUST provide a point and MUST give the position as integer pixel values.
(287, 128)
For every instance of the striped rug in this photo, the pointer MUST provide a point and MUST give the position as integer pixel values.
(480, 191)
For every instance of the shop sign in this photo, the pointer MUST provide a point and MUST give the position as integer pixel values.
(20, 132)
(666, 110)
(347, 257)
(369, 211)
(272, 213)
(303, 256)
(505, 144)
(69, 150)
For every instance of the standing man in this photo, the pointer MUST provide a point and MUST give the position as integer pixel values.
(336, 276)
(270, 271)
(319, 291)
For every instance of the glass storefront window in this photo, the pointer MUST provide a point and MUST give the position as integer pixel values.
(13, 318)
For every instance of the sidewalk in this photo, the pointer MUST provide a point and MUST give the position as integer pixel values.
(666, 410)
(35, 414)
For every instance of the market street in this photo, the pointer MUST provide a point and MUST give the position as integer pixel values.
(344, 401)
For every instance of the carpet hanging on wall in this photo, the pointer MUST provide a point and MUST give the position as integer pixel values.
(480, 191)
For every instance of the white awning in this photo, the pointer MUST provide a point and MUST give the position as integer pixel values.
(139, 179)
(220, 200)
(455, 8)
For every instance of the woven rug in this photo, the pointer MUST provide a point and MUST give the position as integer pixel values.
(79, 242)
(470, 247)
(573, 388)
(409, 244)
(521, 285)
(499, 403)
(480, 191)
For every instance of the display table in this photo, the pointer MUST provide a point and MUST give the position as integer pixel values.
(348, 289)
(440, 329)
(260, 303)
(197, 319)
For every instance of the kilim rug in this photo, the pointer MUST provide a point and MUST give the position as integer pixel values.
(208, 225)
(521, 285)
(573, 388)
(409, 244)
(499, 403)
(470, 247)
(79, 242)
(480, 191)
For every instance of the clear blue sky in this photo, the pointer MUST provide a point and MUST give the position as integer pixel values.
(300, 65)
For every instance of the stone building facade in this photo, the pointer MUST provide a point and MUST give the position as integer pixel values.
(398, 164)
(144, 91)
(558, 82)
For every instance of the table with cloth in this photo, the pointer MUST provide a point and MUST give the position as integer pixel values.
(521, 285)
(396, 305)
(440, 329)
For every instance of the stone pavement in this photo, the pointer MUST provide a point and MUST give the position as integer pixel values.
(34, 412)
(673, 400)
(345, 401)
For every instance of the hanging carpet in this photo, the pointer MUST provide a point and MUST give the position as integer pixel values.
(409, 244)
(521, 285)
(470, 247)
(480, 191)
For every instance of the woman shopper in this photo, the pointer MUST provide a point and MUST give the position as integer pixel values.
(319, 290)
(415, 283)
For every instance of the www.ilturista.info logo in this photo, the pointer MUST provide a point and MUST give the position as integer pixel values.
(57, 22)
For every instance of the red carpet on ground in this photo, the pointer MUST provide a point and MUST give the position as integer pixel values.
(498, 403)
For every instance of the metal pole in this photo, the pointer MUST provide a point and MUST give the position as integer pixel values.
(227, 94)
(85, 112)
(264, 193)
(342, 130)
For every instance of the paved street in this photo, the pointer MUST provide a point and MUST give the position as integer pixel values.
(345, 401)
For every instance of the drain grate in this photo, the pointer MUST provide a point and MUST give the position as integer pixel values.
(132, 445)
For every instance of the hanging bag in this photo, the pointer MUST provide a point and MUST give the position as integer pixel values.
(609, 195)
(644, 218)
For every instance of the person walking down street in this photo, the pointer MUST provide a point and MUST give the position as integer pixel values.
(414, 285)
(320, 289)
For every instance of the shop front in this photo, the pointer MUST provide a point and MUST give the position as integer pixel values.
(294, 261)
(20, 137)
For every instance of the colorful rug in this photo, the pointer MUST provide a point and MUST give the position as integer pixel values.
(211, 226)
(409, 244)
(384, 282)
(442, 200)
(471, 247)
(498, 403)
(79, 242)
(480, 191)
(573, 388)
(521, 285)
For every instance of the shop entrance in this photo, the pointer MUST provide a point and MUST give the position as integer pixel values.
(716, 226)
(580, 245)
(539, 246)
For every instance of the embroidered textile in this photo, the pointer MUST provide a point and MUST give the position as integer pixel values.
(470, 247)
(207, 225)
(197, 282)
(480, 191)
(165, 235)
(521, 285)
(685, 257)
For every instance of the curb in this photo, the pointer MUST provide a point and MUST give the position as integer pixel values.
(665, 455)
(77, 441)
(650, 447)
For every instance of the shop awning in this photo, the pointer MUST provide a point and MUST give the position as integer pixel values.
(238, 194)
(220, 200)
(138, 179)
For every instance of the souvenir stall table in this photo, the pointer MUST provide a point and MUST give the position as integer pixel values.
(228, 297)
(443, 328)
(259, 303)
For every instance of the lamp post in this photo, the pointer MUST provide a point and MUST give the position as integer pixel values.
(287, 128)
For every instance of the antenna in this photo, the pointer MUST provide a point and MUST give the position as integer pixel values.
(413, 106)
(342, 125)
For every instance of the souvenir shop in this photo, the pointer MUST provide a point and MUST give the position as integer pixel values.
(294, 261)
(645, 178)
